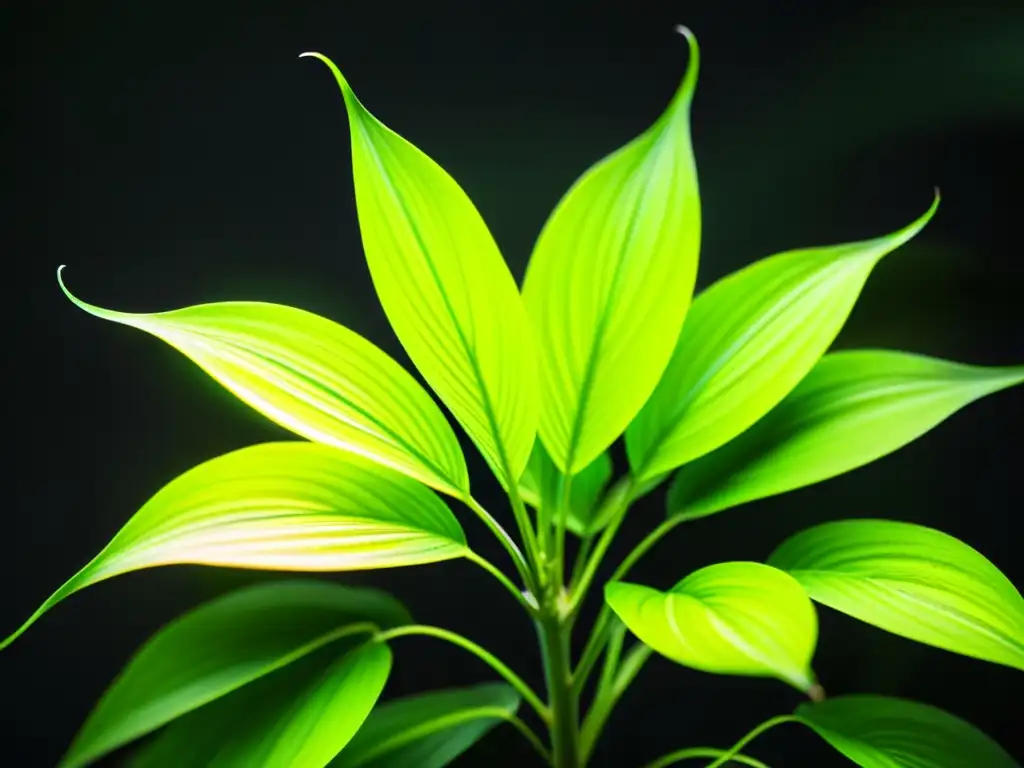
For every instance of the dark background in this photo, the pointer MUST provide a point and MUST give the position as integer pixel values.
(176, 153)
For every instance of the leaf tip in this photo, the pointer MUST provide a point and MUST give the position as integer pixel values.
(689, 84)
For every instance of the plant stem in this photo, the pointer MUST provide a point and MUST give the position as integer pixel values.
(692, 752)
(482, 653)
(563, 701)
(608, 696)
(734, 750)
(522, 566)
(503, 579)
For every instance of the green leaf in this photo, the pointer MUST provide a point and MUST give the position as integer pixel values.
(748, 341)
(852, 408)
(279, 506)
(221, 646)
(882, 732)
(609, 283)
(314, 377)
(428, 730)
(445, 288)
(540, 482)
(298, 717)
(729, 618)
(912, 581)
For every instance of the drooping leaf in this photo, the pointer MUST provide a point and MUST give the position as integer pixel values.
(314, 377)
(728, 618)
(298, 717)
(748, 341)
(280, 506)
(223, 645)
(609, 283)
(540, 483)
(445, 288)
(912, 581)
(428, 730)
(882, 732)
(852, 408)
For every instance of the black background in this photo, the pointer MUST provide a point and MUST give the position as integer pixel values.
(176, 153)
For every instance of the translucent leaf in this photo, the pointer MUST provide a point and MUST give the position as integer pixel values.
(912, 581)
(316, 378)
(748, 341)
(852, 408)
(609, 283)
(540, 483)
(729, 618)
(445, 288)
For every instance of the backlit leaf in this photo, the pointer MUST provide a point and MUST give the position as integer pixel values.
(609, 283)
(223, 645)
(280, 506)
(314, 377)
(729, 618)
(428, 730)
(882, 732)
(298, 717)
(540, 482)
(748, 341)
(445, 288)
(852, 408)
(912, 581)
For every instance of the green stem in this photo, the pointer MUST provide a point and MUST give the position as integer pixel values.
(564, 703)
(609, 696)
(732, 752)
(522, 566)
(581, 560)
(623, 496)
(473, 557)
(483, 654)
(528, 734)
(692, 752)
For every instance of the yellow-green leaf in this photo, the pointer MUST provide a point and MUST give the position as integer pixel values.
(748, 341)
(280, 506)
(729, 618)
(609, 283)
(912, 581)
(314, 377)
(852, 408)
(540, 482)
(445, 288)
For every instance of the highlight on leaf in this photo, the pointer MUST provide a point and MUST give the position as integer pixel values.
(610, 280)
(852, 408)
(913, 581)
(445, 288)
(314, 377)
(279, 506)
(748, 341)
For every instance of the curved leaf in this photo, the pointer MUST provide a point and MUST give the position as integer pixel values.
(882, 732)
(445, 288)
(609, 283)
(729, 618)
(314, 377)
(912, 581)
(540, 482)
(852, 408)
(298, 717)
(221, 646)
(428, 730)
(280, 506)
(748, 341)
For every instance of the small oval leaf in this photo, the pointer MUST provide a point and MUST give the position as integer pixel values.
(221, 646)
(609, 283)
(298, 717)
(540, 482)
(428, 730)
(314, 377)
(279, 506)
(729, 618)
(748, 341)
(883, 732)
(852, 408)
(445, 288)
(913, 581)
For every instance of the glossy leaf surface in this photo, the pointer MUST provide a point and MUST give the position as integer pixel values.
(221, 646)
(609, 283)
(852, 408)
(428, 730)
(445, 288)
(729, 618)
(748, 341)
(314, 377)
(882, 732)
(539, 487)
(280, 506)
(299, 717)
(912, 581)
